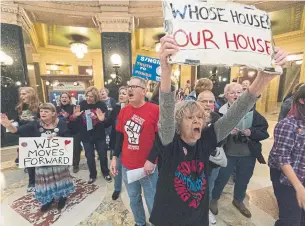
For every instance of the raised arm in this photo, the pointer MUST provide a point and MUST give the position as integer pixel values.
(243, 105)
(166, 98)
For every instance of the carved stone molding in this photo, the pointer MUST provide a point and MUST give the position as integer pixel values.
(106, 23)
(9, 13)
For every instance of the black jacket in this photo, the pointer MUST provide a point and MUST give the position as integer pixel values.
(111, 121)
(258, 133)
(98, 131)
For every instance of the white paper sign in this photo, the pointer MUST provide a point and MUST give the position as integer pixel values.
(41, 151)
(136, 174)
(219, 33)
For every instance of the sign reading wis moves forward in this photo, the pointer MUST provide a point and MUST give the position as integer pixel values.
(41, 151)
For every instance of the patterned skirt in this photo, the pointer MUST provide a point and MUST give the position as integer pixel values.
(52, 182)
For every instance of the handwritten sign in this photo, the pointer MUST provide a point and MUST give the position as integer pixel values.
(41, 151)
(219, 33)
(147, 68)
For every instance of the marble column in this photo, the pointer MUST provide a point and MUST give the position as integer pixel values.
(116, 39)
(14, 75)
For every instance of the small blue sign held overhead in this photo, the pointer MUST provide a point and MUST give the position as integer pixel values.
(147, 68)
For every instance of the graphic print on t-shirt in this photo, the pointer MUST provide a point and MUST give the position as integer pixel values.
(190, 182)
(133, 128)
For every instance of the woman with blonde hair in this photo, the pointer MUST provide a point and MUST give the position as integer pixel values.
(92, 113)
(52, 182)
(186, 142)
(27, 109)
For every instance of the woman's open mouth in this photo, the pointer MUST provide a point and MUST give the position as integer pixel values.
(197, 130)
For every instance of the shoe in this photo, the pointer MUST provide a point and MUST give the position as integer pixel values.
(61, 203)
(75, 169)
(212, 218)
(242, 208)
(47, 206)
(214, 206)
(17, 161)
(91, 180)
(108, 178)
(31, 188)
(116, 195)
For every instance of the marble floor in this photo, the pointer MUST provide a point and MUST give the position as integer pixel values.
(93, 206)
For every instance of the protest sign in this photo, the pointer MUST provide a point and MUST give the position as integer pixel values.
(218, 33)
(147, 68)
(41, 151)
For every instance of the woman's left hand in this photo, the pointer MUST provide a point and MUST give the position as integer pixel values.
(149, 167)
(100, 114)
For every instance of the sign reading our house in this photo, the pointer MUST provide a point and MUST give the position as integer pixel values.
(41, 151)
(218, 33)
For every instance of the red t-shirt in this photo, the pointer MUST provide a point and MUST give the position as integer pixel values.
(139, 126)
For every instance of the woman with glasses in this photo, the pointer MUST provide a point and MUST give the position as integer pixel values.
(242, 148)
(92, 113)
(52, 182)
(287, 164)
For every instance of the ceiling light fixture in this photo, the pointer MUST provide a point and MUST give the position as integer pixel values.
(79, 49)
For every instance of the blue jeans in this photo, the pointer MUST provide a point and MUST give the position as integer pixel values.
(100, 146)
(118, 178)
(244, 171)
(212, 179)
(134, 191)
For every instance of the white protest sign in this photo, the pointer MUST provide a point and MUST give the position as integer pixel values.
(219, 33)
(41, 151)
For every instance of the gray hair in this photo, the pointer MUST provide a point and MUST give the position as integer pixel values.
(231, 85)
(142, 81)
(180, 111)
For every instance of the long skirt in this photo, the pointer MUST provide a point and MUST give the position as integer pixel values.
(52, 182)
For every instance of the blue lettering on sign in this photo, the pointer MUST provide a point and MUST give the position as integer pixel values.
(147, 68)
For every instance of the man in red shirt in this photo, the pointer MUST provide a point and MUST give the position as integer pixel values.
(136, 128)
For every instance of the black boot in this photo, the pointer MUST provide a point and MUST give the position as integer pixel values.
(61, 203)
(47, 206)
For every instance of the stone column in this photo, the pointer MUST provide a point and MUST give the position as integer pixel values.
(14, 74)
(116, 39)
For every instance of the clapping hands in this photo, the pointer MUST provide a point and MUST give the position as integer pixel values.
(100, 114)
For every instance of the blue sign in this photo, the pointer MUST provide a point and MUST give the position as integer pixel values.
(147, 68)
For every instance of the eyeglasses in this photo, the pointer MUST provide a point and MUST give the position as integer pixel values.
(134, 87)
(207, 101)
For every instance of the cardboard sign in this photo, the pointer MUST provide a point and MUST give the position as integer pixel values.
(219, 33)
(147, 68)
(41, 151)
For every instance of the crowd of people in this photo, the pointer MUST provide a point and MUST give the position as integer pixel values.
(189, 146)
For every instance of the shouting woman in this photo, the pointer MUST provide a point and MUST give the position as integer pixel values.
(185, 142)
(65, 113)
(27, 109)
(51, 182)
